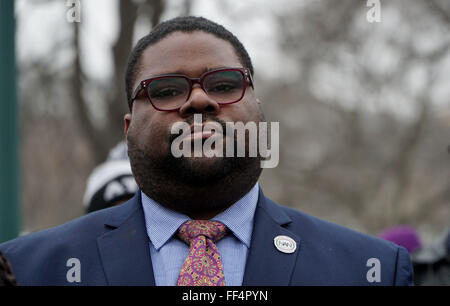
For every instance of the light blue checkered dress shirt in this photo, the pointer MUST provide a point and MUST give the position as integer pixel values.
(169, 253)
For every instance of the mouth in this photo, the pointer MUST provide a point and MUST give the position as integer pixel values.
(198, 131)
(201, 135)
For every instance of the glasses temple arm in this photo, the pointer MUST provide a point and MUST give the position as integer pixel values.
(250, 78)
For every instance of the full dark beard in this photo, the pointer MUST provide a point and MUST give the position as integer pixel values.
(191, 185)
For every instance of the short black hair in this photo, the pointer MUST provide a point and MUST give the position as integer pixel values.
(181, 24)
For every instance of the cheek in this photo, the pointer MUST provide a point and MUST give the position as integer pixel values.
(148, 134)
(246, 110)
(254, 110)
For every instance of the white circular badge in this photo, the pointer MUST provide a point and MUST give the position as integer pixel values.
(285, 244)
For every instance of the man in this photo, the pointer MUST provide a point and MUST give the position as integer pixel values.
(198, 220)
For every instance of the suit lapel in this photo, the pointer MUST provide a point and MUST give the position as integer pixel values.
(125, 255)
(124, 249)
(266, 265)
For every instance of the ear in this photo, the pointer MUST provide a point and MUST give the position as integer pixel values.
(127, 122)
(258, 101)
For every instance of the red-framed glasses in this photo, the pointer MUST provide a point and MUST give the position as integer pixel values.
(169, 92)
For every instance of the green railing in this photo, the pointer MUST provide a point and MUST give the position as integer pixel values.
(9, 127)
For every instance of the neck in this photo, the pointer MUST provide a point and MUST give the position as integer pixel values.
(200, 202)
(198, 188)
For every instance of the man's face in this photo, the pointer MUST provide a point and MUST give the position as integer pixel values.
(148, 130)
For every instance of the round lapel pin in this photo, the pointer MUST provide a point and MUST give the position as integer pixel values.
(285, 244)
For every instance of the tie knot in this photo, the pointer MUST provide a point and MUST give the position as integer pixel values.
(211, 229)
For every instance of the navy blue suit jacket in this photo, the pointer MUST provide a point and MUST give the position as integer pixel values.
(112, 247)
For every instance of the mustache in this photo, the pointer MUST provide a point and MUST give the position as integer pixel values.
(205, 117)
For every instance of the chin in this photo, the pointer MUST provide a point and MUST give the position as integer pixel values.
(204, 169)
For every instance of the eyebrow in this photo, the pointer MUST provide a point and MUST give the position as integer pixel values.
(204, 70)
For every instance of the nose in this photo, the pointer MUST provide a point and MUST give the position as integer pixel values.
(199, 102)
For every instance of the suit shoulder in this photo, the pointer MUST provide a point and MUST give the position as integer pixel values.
(79, 229)
(343, 254)
(310, 227)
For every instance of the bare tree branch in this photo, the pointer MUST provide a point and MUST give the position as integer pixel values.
(97, 142)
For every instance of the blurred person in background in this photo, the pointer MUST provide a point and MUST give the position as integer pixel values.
(7, 277)
(432, 263)
(111, 183)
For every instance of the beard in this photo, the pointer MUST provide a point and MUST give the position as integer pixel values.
(192, 185)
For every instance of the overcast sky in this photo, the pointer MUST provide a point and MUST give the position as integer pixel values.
(40, 24)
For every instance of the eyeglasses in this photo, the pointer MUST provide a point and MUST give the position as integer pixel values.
(169, 92)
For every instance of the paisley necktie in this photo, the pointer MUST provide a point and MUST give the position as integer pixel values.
(203, 265)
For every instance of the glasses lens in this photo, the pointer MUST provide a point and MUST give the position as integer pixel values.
(225, 86)
(169, 92)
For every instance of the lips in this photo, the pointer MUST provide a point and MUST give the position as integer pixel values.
(198, 130)
(202, 135)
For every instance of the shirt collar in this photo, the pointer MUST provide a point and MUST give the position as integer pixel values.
(162, 223)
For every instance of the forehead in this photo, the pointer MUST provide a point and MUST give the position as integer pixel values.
(188, 53)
